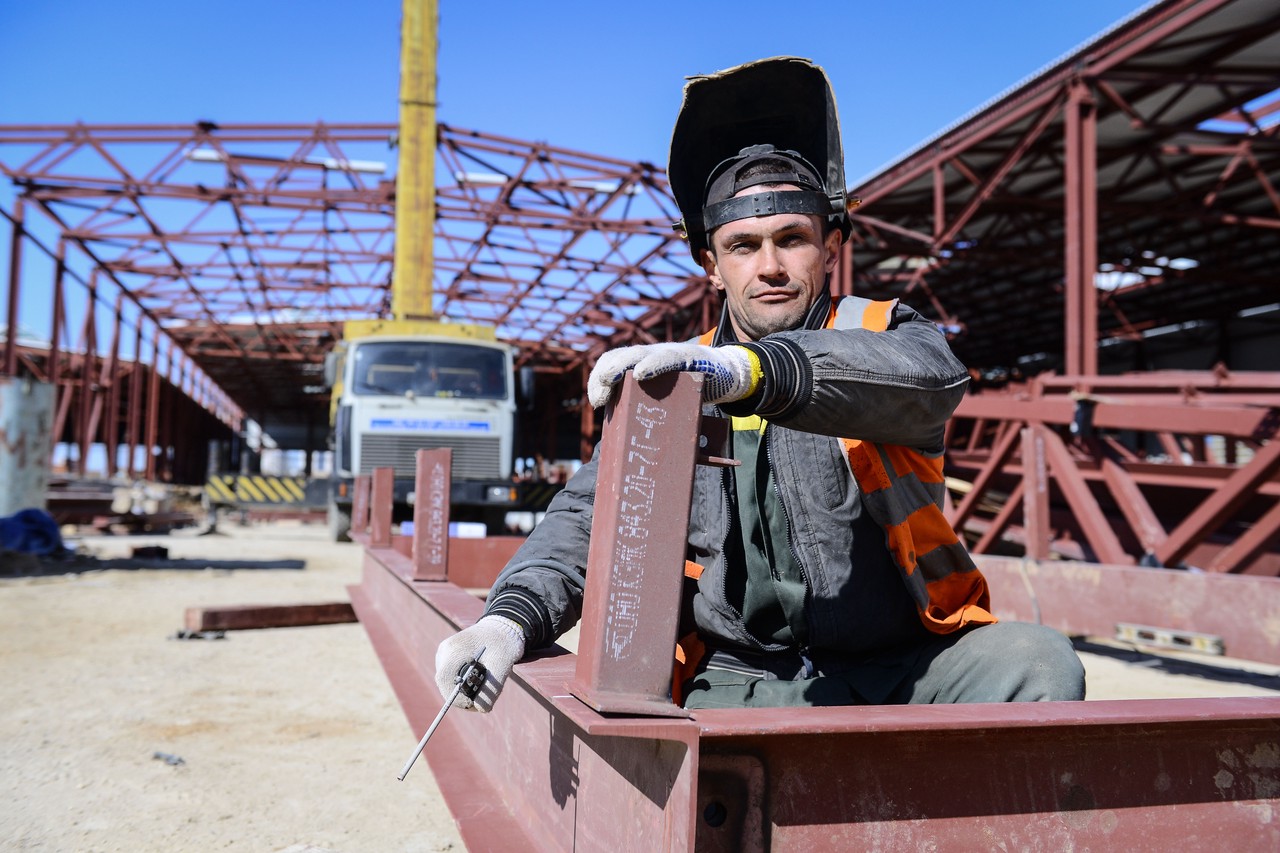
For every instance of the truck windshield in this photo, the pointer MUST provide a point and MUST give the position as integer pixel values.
(430, 369)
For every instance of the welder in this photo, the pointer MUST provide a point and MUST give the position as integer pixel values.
(820, 570)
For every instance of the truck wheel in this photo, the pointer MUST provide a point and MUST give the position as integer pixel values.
(339, 523)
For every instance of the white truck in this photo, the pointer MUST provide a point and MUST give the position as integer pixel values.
(400, 386)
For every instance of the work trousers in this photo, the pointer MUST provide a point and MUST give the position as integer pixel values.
(1004, 662)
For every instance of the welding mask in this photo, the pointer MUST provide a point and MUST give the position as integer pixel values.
(782, 109)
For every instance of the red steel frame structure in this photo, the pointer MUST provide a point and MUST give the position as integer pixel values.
(243, 248)
(1112, 218)
(145, 401)
(1101, 242)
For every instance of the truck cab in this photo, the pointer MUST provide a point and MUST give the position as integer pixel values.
(395, 394)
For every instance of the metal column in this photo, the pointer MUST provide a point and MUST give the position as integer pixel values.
(26, 419)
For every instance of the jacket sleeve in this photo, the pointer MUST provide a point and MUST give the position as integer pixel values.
(541, 588)
(898, 386)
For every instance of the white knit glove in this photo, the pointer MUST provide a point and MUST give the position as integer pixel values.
(503, 644)
(731, 372)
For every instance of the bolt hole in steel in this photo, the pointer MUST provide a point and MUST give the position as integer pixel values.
(715, 813)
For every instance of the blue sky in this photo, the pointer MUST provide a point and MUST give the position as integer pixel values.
(592, 76)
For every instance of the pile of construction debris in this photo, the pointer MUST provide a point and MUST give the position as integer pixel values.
(121, 508)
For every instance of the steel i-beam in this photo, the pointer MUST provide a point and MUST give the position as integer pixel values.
(544, 771)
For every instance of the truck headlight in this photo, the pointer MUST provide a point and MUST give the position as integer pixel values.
(502, 494)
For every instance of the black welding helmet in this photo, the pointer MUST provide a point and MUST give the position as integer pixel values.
(780, 108)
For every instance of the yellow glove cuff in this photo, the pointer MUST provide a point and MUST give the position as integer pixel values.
(757, 372)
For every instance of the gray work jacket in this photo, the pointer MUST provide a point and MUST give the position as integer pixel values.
(898, 386)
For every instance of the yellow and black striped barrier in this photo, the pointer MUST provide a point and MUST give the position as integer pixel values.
(534, 497)
(264, 490)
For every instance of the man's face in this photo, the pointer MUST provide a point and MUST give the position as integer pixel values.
(771, 268)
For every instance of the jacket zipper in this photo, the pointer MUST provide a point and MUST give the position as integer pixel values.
(724, 575)
(804, 650)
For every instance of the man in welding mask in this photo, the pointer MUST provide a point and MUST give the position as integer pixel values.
(821, 569)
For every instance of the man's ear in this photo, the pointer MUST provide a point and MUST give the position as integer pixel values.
(712, 269)
(832, 244)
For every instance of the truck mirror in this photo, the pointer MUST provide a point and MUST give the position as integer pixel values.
(524, 391)
(330, 368)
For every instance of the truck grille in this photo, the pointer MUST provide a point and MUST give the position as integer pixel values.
(473, 458)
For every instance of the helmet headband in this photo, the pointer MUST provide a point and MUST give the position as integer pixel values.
(731, 177)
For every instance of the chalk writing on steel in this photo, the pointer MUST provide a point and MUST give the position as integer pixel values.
(635, 509)
(436, 531)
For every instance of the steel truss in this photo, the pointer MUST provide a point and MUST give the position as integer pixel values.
(1116, 214)
(244, 247)
(1111, 219)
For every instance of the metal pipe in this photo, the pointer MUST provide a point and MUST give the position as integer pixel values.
(54, 368)
(84, 419)
(111, 376)
(15, 273)
(134, 430)
(153, 409)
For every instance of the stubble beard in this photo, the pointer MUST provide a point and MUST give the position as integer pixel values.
(755, 325)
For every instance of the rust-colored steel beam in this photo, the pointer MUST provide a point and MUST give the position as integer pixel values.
(14, 290)
(256, 616)
(113, 376)
(1253, 543)
(84, 426)
(1185, 490)
(134, 428)
(1131, 502)
(1092, 599)
(994, 530)
(1080, 232)
(631, 611)
(1084, 506)
(361, 492)
(1220, 415)
(381, 490)
(544, 771)
(1034, 489)
(1228, 498)
(152, 430)
(1168, 475)
(431, 513)
(999, 455)
(56, 318)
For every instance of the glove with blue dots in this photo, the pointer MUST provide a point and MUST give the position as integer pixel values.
(730, 372)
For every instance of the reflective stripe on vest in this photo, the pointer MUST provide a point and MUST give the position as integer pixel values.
(904, 489)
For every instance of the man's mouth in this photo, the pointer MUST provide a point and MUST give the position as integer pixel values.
(773, 296)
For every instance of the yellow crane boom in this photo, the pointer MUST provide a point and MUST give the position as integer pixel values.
(411, 283)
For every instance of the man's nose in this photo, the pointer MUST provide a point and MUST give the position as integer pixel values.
(770, 262)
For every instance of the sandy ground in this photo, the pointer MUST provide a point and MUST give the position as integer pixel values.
(114, 736)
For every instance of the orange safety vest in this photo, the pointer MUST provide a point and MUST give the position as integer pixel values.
(902, 488)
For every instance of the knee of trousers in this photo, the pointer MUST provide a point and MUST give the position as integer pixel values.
(1045, 665)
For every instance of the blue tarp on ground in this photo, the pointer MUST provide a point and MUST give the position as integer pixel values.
(31, 531)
